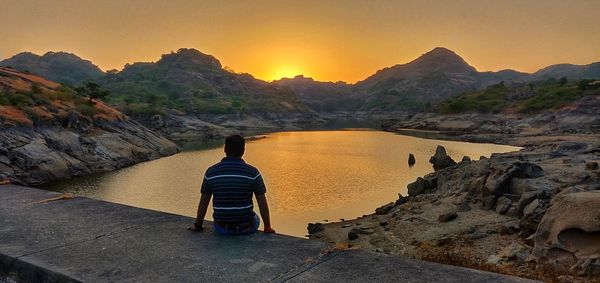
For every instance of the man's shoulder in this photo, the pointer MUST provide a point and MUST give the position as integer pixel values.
(250, 167)
(229, 166)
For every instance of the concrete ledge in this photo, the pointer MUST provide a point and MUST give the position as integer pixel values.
(81, 239)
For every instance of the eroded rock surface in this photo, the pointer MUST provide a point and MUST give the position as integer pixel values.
(44, 153)
(569, 233)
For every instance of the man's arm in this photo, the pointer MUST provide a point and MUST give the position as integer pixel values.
(264, 212)
(202, 208)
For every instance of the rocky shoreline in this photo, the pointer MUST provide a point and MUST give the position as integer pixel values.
(531, 213)
(45, 153)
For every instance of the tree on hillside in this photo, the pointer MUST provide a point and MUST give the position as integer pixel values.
(92, 91)
(563, 81)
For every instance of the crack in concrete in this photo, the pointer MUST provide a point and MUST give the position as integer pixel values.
(300, 269)
(112, 233)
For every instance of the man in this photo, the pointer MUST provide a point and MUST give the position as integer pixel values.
(231, 183)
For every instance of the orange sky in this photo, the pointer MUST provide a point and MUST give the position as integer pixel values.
(327, 40)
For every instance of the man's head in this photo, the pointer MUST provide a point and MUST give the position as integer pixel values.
(235, 146)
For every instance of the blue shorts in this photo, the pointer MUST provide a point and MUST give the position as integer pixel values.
(233, 229)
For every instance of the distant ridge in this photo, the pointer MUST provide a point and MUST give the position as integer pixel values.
(190, 80)
(590, 71)
(61, 67)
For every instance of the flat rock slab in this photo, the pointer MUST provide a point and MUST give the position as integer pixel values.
(89, 240)
(364, 266)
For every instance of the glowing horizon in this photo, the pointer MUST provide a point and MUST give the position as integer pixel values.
(328, 41)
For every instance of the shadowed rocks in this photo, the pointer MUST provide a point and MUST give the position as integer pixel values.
(411, 159)
(441, 160)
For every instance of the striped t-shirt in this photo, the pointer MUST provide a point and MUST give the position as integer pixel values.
(232, 183)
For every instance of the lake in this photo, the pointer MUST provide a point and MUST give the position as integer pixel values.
(311, 176)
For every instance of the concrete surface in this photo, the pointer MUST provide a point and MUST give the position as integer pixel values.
(81, 239)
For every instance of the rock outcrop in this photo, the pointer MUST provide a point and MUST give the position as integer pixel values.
(569, 233)
(441, 159)
(48, 153)
(411, 159)
(53, 133)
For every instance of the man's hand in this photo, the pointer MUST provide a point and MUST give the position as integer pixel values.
(195, 228)
(269, 230)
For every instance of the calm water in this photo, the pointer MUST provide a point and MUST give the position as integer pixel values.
(311, 176)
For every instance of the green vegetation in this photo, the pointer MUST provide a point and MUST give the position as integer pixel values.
(192, 82)
(86, 109)
(92, 91)
(45, 102)
(522, 98)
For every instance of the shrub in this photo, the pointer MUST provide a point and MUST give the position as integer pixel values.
(19, 99)
(86, 109)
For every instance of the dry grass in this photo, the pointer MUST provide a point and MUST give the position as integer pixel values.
(11, 113)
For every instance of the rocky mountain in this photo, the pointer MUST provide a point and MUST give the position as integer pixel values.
(434, 76)
(193, 82)
(61, 67)
(48, 132)
(438, 60)
(570, 71)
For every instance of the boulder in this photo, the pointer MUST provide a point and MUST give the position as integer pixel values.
(488, 202)
(314, 228)
(441, 160)
(526, 199)
(532, 215)
(500, 182)
(502, 205)
(417, 187)
(530, 208)
(448, 216)
(385, 209)
(401, 199)
(569, 233)
(352, 235)
(411, 159)
(528, 170)
(466, 159)
(382, 221)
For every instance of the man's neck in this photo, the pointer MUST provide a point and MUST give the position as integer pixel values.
(233, 158)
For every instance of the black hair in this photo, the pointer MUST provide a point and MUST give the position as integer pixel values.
(235, 146)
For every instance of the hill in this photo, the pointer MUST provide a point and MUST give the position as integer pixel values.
(591, 71)
(48, 132)
(434, 76)
(61, 67)
(321, 96)
(534, 97)
(193, 82)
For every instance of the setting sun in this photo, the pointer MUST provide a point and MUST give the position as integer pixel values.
(285, 72)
